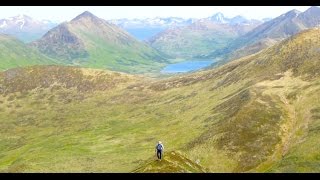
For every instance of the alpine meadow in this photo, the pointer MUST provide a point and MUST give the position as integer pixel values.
(90, 94)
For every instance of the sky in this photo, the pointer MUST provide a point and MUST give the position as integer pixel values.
(66, 13)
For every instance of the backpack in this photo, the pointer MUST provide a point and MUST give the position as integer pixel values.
(159, 147)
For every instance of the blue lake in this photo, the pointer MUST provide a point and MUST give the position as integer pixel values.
(187, 66)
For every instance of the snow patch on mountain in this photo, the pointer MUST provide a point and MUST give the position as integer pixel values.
(4, 24)
(166, 22)
(152, 22)
(22, 22)
(24, 27)
(219, 18)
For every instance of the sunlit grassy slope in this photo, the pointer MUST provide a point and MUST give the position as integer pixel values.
(134, 57)
(256, 114)
(14, 53)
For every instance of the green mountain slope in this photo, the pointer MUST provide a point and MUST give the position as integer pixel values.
(197, 39)
(93, 42)
(14, 53)
(255, 114)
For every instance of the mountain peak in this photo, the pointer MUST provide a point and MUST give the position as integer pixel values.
(313, 8)
(85, 14)
(310, 17)
(219, 14)
(218, 17)
(292, 13)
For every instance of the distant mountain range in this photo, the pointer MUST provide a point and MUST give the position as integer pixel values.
(221, 19)
(177, 21)
(94, 42)
(202, 36)
(28, 29)
(25, 28)
(270, 32)
(152, 22)
(144, 29)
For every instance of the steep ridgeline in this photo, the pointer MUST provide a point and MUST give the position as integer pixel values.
(270, 32)
(201, 37)
(14, 53)
(258, 113)
(173, 162)
(93, 42)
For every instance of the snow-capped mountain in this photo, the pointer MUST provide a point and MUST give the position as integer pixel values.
(177, 21)
(152, 22)
(219, 18)
(146, 28)
(24, 27)
(22, 22)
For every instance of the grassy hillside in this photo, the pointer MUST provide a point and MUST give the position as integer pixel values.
(256, 114)
(134, 57)
(14, 53)
(70, 129)
(186, 43)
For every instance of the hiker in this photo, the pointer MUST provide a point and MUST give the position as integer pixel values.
(159, 150)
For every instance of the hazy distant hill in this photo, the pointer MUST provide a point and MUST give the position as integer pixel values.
(202, 37)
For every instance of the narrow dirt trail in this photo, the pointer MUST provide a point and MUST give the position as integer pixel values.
(286, 132)
(289, 126)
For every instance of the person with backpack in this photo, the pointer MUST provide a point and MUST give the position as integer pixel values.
(159, 150)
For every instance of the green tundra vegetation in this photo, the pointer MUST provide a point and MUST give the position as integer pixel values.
(15, 53)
